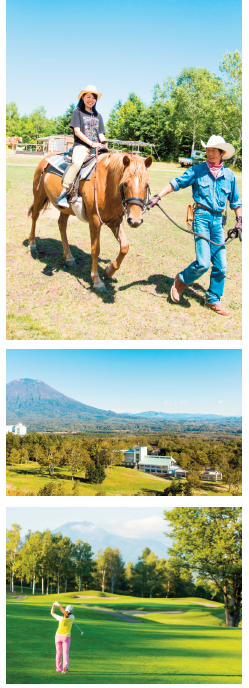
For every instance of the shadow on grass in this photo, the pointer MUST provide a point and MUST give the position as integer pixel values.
(49, 251)
(163, 285)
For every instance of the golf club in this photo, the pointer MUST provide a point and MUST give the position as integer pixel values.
(82, 632)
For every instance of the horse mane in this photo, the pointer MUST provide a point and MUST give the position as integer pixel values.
(116, 168)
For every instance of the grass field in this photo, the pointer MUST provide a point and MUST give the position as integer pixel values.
(122, 481)
(48, 301)
(190, 647)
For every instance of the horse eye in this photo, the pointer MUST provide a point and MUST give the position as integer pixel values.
(125, 183)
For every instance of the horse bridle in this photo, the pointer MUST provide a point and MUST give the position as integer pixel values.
(135, 200)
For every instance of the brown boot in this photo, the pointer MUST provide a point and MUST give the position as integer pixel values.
(177, 289)
(219, 309)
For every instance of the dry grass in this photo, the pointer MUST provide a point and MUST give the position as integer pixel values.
(48, 301)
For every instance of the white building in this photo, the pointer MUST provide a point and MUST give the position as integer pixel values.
(213, 476)
(18, 429)
(139, 458)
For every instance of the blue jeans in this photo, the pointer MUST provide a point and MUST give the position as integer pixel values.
(210, 225)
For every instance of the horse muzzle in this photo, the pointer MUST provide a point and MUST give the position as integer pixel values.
(134, 223)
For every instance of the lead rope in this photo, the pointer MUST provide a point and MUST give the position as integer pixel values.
(227, 241)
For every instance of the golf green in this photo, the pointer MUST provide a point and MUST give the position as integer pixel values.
(187, 647)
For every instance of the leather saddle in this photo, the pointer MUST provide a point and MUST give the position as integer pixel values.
(59, 163)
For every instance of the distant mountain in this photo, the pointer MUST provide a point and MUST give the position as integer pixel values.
(130, 548)
(42, 408)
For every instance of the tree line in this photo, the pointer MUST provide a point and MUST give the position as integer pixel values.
(93, 456)
(183, 111)
(204, 561)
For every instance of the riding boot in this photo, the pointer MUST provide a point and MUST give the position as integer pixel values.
(61, 200)
(218, 308)
(177, 289)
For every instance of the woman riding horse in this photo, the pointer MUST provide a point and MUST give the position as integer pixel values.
(89, 132)
(213, 185)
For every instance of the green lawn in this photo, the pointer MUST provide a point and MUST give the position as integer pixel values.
(122, 481)
(192, 647)
(47, 301)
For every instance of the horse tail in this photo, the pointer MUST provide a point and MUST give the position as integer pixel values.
(43, 206)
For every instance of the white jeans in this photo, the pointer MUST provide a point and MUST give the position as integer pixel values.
(80, 153)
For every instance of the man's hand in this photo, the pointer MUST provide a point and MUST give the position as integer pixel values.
(154, 200)
(239, 223)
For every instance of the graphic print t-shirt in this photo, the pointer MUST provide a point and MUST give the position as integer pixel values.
(90, 125)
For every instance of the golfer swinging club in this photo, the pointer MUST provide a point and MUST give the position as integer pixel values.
(63, 636)
(213, 185)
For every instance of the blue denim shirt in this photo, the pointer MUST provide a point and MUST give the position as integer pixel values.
(210, 192)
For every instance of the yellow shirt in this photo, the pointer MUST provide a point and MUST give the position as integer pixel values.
(65, 625)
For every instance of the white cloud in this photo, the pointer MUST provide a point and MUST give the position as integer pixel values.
(182, 402)
(221, 401)
(139, 528)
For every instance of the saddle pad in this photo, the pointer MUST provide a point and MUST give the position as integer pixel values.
(59, 163)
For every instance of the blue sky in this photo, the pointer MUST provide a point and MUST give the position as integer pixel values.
(125, 380)
(55, 49)
(136, 522)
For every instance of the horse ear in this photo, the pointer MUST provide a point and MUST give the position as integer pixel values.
(148, 161)
(126, 160)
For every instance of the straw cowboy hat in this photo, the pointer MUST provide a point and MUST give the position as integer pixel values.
(219, 142)
(89, 89)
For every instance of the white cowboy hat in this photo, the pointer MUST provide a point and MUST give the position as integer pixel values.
(219, 142)
(89, 89)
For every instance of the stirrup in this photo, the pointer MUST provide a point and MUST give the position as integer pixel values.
(61, 200)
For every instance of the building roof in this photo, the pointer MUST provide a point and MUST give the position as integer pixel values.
(128, 451)
(157, 460)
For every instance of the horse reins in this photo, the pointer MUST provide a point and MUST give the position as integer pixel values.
(95, 188)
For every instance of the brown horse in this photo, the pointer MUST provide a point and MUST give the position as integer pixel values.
(113, 170)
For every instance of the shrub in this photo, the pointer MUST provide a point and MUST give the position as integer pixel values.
(52, 489)
(95, 474)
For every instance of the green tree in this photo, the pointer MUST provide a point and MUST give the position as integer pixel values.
(230, 100)
(14, 457)
(95, 474)
(101, 567)
(207, 541)
(32, 549)
(84, 564)
(63, 121)
(75, 455)
(115, 568)
(13, 541)
(12, 119)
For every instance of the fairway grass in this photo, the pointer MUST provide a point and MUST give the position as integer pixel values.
(191, 647)
(48, 301)
(122, 481)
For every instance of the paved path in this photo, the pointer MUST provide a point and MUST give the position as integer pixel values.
(157, 612)
(118, 616)
(95, 597)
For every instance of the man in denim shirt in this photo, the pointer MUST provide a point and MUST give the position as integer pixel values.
(213, 185)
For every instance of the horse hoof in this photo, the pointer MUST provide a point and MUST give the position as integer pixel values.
(70, 263)
(32, 248)
(108, 271)
(100, 287)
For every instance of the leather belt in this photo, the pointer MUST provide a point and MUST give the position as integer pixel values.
(198, 205)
